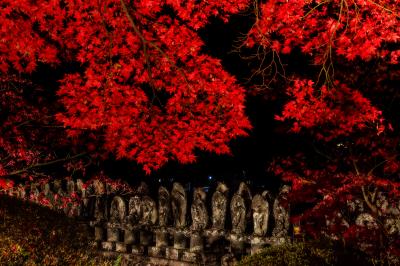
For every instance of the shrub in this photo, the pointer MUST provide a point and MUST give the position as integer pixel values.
(308, 253)
(34, 235)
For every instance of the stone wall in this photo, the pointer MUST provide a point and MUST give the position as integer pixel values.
(171, 228)
(168, 231)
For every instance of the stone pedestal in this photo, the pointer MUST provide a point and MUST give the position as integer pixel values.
(98, 233)
(237, 243)
(108, 246)
(137, 250)
(173, 253)
(130, 237)
(280, 240)
(146, 238)
(112, 234)
(120, 247)
(161, 238)
(196, 242)
(193, 257)
(157, 252)
(213, 235)
(257, 244)
(179, 240)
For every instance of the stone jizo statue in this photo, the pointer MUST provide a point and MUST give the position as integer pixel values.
(164, 206)
(219, 203)
(281, 214)
(117, 210)
(199, 210)
(260, 207)
(148, 210)
(179, 205)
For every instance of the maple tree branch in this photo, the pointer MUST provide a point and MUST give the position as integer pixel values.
(315, 7)
(17, 172)
(367, 201)
(384, 8)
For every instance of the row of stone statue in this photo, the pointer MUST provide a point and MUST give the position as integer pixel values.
(172, 208)
(247, 212)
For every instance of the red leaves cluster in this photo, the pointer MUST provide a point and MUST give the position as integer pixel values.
(350, 28)
(329, 113)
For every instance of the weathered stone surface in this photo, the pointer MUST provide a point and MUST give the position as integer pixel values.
(196, 242)
(117, 210)
(108, 246)
(260, 207)
(134, 210)
(173, 253)
(238, 214)
(219, 206)
(161, 238)
(199, 210)
(179, 240)
(98, 233)
(120, 247)
(164, 207)
(129, 237)
(179, 205)
(228, 260)
(158, 252)
(191, 257)
(281, 215)
(148, 211)
(137, 250)
(112, 234)
(146, 238)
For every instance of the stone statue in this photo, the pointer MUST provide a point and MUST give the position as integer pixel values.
(143, 189)
(199, 210)
(240, 209)
(70, 186)
(57, 184)
(238, 214)
(21, 191)
(260, 207)
(164, 206)
(134, 210)
(99, 209)
(228, 260)
(79, 186)
(34, 192)
(148, 210)
(46, 189)
(99, 188)
(117, 210)
(281, 215)
(219, 204)
(179, 205)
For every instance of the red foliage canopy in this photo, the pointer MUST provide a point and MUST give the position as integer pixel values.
(141, 81)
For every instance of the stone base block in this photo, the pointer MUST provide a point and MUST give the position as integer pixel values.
(130, 237)
(137, 250)
(146, 238)
(95, 244)
(120, 247)
(191, 257)
(157, 252)
(173, 253)
(112, 234)
(98, 233)
(179, 240)
(108, 245)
